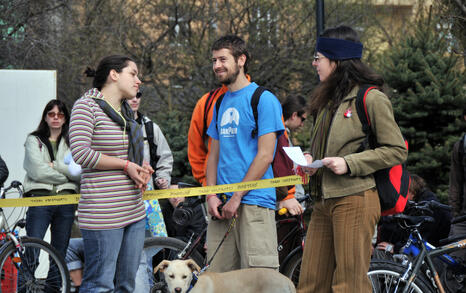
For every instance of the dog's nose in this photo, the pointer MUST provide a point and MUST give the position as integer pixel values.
(178, 290)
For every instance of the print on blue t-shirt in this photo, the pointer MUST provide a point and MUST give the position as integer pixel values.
(237, 147)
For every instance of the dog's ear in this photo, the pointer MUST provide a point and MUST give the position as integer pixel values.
(162, 266)
(193, 265)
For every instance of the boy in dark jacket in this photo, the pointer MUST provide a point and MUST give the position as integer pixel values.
(3, 172)
(391, 237)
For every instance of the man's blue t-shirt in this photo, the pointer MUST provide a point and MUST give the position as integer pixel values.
(237, 147)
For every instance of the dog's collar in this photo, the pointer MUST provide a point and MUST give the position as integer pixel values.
(193, 282)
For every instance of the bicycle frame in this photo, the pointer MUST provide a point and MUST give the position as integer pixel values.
(4, 227)
(426, 254)
(412, 248)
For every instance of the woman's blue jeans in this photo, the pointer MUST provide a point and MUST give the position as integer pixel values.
(112, 258)
(60, 218)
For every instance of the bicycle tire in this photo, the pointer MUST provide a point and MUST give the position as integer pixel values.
(166, 248)
(292, 267)
(385, 275)
(29, 270)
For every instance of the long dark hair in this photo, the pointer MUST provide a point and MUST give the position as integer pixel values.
(347, 74)
(43, 130)
(115, 62)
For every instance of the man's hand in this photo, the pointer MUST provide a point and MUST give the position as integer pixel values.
(213, 202)
(388, 247)
(162, 183)
(230, 209)
(175, 201)
(292, 205)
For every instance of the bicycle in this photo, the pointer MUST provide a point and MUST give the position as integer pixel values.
(28, 264)
(289, 245)
(414, 270)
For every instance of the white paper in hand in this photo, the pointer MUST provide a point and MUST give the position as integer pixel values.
(297, 156)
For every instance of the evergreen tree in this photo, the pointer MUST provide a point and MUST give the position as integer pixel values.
(175, 125)
(428, 97)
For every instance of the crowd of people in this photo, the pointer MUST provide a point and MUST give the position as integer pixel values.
(232, 138)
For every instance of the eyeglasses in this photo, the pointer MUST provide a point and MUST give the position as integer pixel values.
(316, 58)
(55, 114)
(138, 95)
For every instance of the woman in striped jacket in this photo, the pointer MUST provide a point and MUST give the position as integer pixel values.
(108, 144)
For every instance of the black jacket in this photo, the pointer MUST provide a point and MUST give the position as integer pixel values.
(389, 231)
(3, 172)
(457, 188)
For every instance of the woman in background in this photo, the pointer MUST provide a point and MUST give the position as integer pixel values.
(47, 174)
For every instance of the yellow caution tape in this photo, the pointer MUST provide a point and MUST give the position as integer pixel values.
(157, 194)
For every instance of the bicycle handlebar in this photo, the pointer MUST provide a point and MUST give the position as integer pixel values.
(427, 205)
(186, 185)
(14, 184)
(458, 219)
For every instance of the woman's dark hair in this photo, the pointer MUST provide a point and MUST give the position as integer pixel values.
(236, 45)
(116, 62)
(293, 104)
(347, 74)
(43, 130)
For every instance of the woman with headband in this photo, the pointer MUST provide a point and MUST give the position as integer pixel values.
(338, 243)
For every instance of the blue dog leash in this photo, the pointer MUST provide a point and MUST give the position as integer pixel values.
(193, 282)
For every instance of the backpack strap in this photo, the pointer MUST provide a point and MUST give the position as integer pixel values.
(217, 108)
(154, 158)
(207, 106)
(363, 115)
(44, 140)
(254, 103)
(462, 159)
(462, 149)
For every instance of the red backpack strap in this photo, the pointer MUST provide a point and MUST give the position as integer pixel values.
(40, 143)
(361, 109)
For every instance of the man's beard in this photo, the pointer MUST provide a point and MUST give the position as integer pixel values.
(231, 78)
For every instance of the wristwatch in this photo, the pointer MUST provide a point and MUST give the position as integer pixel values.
(389, 248)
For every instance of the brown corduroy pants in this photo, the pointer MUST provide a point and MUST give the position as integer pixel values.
(338, 244)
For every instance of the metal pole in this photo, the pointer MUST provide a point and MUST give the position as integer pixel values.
(320, 17)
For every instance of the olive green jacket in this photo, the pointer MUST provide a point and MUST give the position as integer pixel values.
(346, 135)
(39, 174)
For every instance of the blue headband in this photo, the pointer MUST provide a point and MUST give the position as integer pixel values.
(338, 49)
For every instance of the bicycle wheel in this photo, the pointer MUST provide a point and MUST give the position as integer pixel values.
(35, 267)
(385, 277)
(292, 267)
(164, 248)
